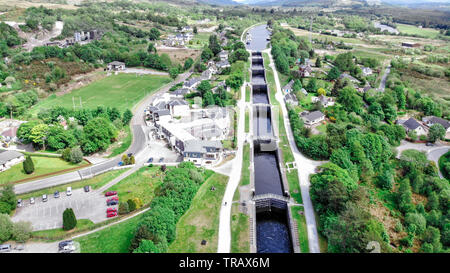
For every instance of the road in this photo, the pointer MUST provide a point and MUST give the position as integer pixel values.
(433, 152)
(305, 166)
(139, 143)
(224, 241)
(383, 79)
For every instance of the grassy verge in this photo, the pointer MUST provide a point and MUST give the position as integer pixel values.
(141, 184)
(240, 232)
(114, 239)
(201, 221)
(245, 175)
(247, 94)
(126, 142)
(302, 231)
(247, 121)
(95, 183)
(43, 165)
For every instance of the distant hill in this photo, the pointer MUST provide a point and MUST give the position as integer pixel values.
(219, 2)
(305, 2)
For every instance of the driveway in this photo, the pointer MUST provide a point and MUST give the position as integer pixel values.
(48, 215)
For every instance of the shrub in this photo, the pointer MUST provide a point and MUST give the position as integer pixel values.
(131, 205)
(69, 219)
(6, 228)
(22, 231)
(123, 208)
(28, 165)
(76, 155)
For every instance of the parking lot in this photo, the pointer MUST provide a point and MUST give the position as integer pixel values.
(48, 215)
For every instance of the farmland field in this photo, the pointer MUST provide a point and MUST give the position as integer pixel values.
(122, 91)
(413, 30)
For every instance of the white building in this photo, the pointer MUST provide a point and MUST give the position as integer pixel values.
(10, 158)
(412, 125)
(312, 118)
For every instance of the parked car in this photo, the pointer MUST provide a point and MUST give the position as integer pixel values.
(112, 202)
(429, 144)
(108, 210)
(32, 200)
(56, 194)
(66, 246)
(161, 159)
(62, 244)
(111, 214)
(150, 160)
(19, 203)
(120, 163)
(130, 154)
(110, 193)
(69, 191)
(44, 198)
(114, 198)
(5, 248)
(86, 189)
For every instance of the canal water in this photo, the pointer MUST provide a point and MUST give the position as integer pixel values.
(272, 232)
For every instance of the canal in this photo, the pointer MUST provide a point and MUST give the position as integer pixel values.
(272, 227)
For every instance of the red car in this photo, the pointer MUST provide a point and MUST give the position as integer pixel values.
(114, 198)
(108, 210)
(110, 193)
(111, 214)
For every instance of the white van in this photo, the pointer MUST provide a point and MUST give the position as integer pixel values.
(5, 248)
(69, 191)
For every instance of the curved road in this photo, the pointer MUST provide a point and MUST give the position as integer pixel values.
(138, 145)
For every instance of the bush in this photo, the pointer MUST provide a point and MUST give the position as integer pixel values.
(131, 205)
(69, 219)
(22, 231)
(6, 228)
(76, 155)
(28, 165)
(123, 208)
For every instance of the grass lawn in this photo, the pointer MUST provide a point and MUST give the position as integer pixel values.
(445, 158)
(245, 175)
(115, 239)
(322, 128)
(247, 94)
(42, 166)
(302, 230)
(413, 30)
(141, 184)
(201, 221)
(59, 233)
(240, 232)
(247, 121)
(199, 41)
(122, 91)
(95, 183)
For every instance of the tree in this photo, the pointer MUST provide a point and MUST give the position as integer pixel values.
(195, 30)
(350, 99)
(6, 228)
(297, 86)
(321, 91)
(123, 208)
(318, 62)
(312, 85)
(69, 219)
(22, 231)
(416, 219)
(173, 72)
(24, 130)
(437, 131)
(151, 48)
(188, 63)
(38, 134)
(28, 165)
(76, 155)
(344, 61)
(8, 197)
(204, 87)
(147, 246)
(154, 34)
(131, 205)
(98, 132)
(206, 55)
(214, 45)
(334, 73)
(412, 134)
(127, 116)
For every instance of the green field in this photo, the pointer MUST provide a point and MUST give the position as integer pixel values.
(42, 165)
(199, 41)
(302, 230)
(413, 30)
(201, 221)
(122, 91)
(240, 232)
(245, 174)
(140, 184)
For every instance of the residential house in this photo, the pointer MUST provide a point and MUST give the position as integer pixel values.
(178, 108)
(288, 87)
(304, 92)
(412, 125)
(366, 71)
(192, 83)
(202, 151)
(223, 55)
(291, 99)
(223, 64)
(305, 70)
(10, 158)
(431, 120)
(10, 134)
(180, 93)
(324, 101)
(116, 66)
(311, 118)
(162, 115)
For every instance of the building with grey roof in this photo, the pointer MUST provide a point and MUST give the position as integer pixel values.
(9, 158)
(291, 99)
(412, 124)
(311, 118)
(431, 120)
